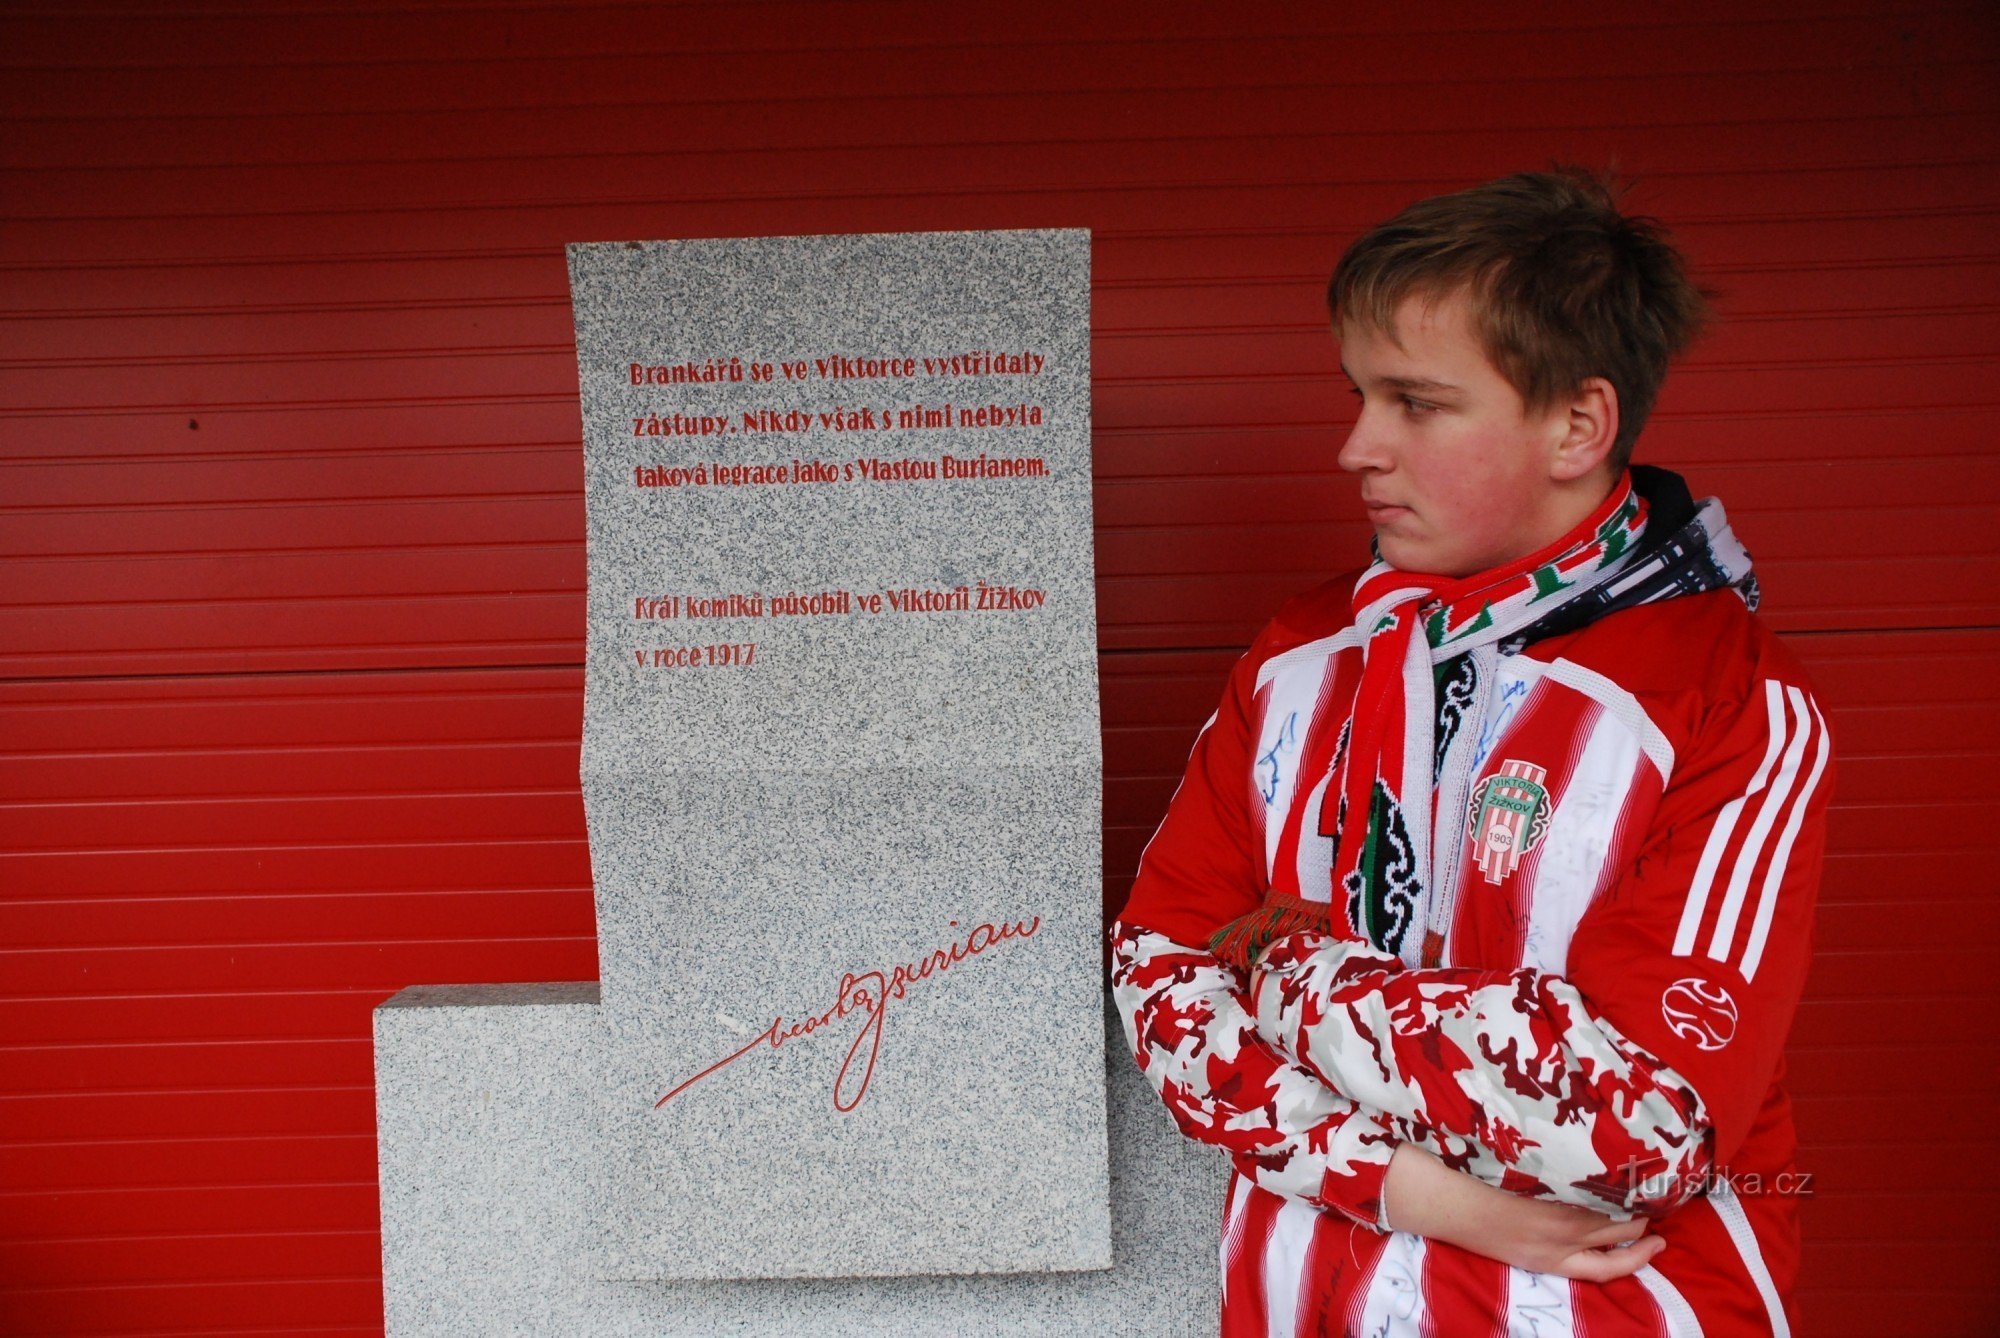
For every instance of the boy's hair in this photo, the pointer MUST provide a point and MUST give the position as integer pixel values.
(1562, 285)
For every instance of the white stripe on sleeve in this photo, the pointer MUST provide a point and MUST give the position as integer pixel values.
(1760, 830)
(1767, 896)
(1725, 824)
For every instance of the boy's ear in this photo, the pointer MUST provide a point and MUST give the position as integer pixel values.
(1591, 430)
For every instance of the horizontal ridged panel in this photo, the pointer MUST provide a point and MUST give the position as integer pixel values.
(1809, 175)
(262, 583)
(1861, 212)
(163, 1088)
(287, 393)
(651, 124)
(418, 61)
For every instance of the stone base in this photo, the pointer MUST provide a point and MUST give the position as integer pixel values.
(493, 1184)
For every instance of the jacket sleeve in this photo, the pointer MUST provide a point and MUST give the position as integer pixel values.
(1623, 1081)
(1533, 1091)
(1187, 1027)
(1185, 1015)
(1700, 955)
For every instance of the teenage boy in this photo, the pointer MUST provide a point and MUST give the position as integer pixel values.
(1476, 925)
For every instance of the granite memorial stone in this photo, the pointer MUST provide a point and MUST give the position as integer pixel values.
(841, 774)
(841, 755)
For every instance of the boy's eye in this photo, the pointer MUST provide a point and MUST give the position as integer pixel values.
(1411, 404)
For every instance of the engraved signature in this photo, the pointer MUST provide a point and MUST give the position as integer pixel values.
(868, 992)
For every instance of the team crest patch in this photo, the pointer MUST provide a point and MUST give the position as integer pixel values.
(1507, 816)
(1700, 1011)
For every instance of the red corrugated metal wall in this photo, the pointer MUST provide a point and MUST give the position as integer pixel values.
(290, 503)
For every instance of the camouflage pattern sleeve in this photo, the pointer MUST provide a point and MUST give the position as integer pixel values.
(1524, 1086)
(1187, 1026)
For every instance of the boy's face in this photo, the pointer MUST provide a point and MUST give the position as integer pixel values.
(1456, 475)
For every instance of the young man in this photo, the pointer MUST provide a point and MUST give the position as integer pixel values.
(1476, 925)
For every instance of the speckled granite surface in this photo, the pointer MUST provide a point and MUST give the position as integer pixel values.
(490, 1208)
(919, 680)
(841, 770)
(956, 1127)
(890, 756)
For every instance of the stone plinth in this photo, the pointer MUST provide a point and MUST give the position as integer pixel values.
(492, 1199)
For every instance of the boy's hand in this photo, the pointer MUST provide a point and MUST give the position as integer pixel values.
(1428, 1198)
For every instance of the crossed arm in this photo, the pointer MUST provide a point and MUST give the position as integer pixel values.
(1527, 1088)
(1567, 1119)
(1261, 1072)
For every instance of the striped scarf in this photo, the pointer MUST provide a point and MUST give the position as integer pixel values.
(1385, 760)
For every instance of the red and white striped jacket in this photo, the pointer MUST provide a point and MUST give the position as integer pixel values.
(1628, 912)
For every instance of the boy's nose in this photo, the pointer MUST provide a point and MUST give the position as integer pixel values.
(1363, 448)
